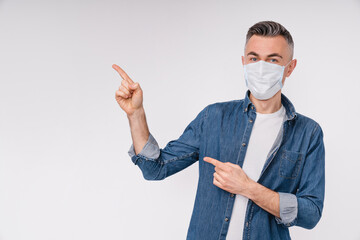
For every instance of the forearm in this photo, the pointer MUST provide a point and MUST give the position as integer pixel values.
(139, 129)
(264, 197)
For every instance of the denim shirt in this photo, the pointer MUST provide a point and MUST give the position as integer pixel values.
(295, 168)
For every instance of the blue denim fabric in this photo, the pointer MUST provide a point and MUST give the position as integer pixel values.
(295, 168)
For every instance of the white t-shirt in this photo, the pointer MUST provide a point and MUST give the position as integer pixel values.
(265, 130)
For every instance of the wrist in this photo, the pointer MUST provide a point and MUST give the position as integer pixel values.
(138, 113)
(251, 189)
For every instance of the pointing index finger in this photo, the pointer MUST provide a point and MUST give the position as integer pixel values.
(122, 73)
(214, 162)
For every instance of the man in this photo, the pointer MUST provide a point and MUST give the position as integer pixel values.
(261, 164)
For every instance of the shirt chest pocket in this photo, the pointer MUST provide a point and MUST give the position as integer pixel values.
(290, 163)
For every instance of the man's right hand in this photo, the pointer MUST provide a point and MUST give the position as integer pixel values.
(130, 95)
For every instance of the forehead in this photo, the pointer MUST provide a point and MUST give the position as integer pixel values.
(267, 45)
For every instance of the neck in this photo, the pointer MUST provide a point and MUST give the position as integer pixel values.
(270, 105)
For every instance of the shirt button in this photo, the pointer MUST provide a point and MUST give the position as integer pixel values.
(251, 120)
(226, 219)
(243, 144)
(252, 107)
(232, 195)
(245, 109)
(247, 224)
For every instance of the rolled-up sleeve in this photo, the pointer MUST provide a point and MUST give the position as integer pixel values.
(288, 209)
(158, 163)
(306, 211)
(150, 150)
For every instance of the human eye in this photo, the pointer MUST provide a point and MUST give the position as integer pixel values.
(253, 59)
(273, 60)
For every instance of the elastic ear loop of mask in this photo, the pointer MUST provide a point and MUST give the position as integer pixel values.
(287, 64)
(283, 72)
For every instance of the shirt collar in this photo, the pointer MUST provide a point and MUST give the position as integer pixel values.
(290, 109)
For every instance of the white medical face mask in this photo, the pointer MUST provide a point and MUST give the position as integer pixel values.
(263, 78)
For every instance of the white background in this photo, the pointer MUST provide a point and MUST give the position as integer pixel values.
(64, 168)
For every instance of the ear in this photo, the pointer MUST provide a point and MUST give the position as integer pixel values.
(243, 60)
(291, 67)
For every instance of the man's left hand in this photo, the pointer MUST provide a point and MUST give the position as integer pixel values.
(230, 177)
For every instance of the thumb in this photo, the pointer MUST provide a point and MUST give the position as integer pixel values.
(134, 85)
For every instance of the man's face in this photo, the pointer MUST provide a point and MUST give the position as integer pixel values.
(269, 49)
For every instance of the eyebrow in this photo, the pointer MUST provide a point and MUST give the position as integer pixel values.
(270, 55)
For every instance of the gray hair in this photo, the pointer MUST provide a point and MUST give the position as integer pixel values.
(271, 29)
